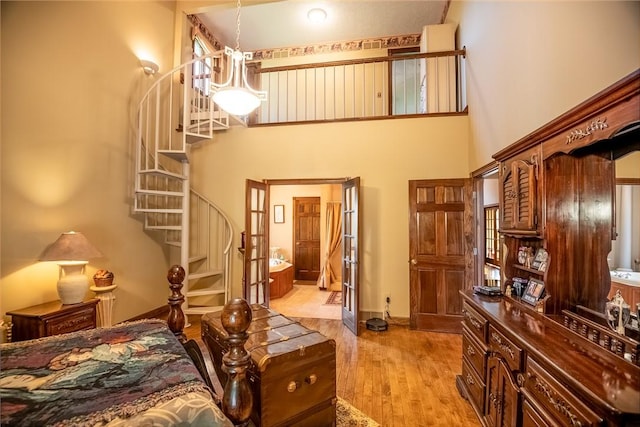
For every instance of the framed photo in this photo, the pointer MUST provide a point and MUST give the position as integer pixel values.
(540, 260)
(278, 214)
(534, 291)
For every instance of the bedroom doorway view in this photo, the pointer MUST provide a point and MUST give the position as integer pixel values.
(305, 248)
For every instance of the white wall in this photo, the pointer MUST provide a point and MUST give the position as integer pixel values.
(71, 81)
(530, 61)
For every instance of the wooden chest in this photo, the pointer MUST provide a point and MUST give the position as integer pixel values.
(292, 372)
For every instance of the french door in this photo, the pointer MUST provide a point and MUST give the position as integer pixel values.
(350, 253)
(255, 286)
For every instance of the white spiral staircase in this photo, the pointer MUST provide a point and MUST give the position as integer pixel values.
(176, 112)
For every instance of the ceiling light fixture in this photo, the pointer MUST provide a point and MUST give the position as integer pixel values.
(236, 96)
(317, 15)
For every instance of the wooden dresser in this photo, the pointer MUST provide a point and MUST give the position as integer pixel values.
(52, 318)
(522, 368)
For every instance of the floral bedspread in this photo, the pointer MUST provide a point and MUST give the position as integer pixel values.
(132, 374)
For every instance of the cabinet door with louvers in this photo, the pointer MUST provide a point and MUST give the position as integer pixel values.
(519, 194)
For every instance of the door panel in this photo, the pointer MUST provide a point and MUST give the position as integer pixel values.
(255, 286)
(350, 253)
(441, 238)
(306, 236)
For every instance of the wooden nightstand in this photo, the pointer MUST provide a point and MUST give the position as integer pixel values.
(52, 318)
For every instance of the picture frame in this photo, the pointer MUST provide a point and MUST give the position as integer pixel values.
(534, 291)
(278, 214)
(540, 260)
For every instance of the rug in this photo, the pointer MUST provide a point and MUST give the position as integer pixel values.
(348, 416)
(335, 297)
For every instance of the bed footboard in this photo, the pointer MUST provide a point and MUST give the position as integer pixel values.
(236, 399)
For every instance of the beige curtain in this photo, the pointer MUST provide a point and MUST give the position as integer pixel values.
(331, 273)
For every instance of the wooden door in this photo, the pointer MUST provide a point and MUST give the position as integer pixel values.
(350, 253)
(256, 256)
(440, 247)
(306, 237)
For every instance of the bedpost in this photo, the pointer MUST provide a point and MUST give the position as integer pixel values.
(176, 319)
(237, 399)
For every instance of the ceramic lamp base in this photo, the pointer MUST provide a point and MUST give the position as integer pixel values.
(73, 284)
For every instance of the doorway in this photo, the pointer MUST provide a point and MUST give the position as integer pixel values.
(301, 241)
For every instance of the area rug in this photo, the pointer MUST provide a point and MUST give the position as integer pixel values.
(348, 416)
(335, 297)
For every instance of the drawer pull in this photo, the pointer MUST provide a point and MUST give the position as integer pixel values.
(470, 380)
(472, 320)
(293, 386)
(470, 351)
(311, 379)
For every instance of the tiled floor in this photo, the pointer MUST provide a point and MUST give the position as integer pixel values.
(306, 300)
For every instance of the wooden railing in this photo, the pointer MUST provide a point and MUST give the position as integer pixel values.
(381, 87)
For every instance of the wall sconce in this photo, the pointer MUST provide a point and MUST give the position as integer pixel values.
(149, 67)
(71, 252)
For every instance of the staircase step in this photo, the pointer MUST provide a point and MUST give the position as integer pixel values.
(209, 273)
(197, 258)
(163, 227)
(162, 172)
(174, 244)
(174, 154)
(203, 309)
(204, 292)
(160, 193)
(159, 210)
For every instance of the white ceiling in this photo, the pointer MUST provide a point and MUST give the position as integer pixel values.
(279, 24)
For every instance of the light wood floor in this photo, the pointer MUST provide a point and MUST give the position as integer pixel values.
(398, 377)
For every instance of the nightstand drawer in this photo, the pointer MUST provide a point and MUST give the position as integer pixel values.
(52, 318)
(84, 319)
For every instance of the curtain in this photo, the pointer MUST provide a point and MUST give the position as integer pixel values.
(330, 273)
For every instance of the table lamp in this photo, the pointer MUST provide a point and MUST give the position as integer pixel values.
(71, 252)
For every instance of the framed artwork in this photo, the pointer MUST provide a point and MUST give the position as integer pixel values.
(278, 214)
(540, 260)
(534, 291)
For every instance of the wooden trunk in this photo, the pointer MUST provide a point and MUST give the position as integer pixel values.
(292, 372)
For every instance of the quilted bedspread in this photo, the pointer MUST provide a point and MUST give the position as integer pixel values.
(133, 374)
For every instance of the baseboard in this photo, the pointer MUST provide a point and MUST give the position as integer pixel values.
(396, 321)
(157, 313)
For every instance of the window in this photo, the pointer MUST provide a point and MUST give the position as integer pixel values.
(492, 239)
(202, 70)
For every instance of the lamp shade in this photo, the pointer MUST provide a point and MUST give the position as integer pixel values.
(70, 246)
(71, 251)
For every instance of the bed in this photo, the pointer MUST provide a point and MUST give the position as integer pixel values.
(135, 373)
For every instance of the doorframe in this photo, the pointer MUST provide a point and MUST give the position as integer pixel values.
(478, 256)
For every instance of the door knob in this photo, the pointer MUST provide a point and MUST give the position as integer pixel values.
(413, 261)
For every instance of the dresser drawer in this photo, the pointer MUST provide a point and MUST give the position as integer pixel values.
(558, 402)
(84, 319)
(475, 322)
(474, 352)
(511, 353)
(475, 386)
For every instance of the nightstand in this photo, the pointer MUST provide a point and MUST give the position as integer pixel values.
(52, 318)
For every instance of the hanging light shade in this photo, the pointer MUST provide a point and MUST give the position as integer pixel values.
(235, 95)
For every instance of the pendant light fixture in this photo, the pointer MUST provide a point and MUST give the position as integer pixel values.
(236, 96)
